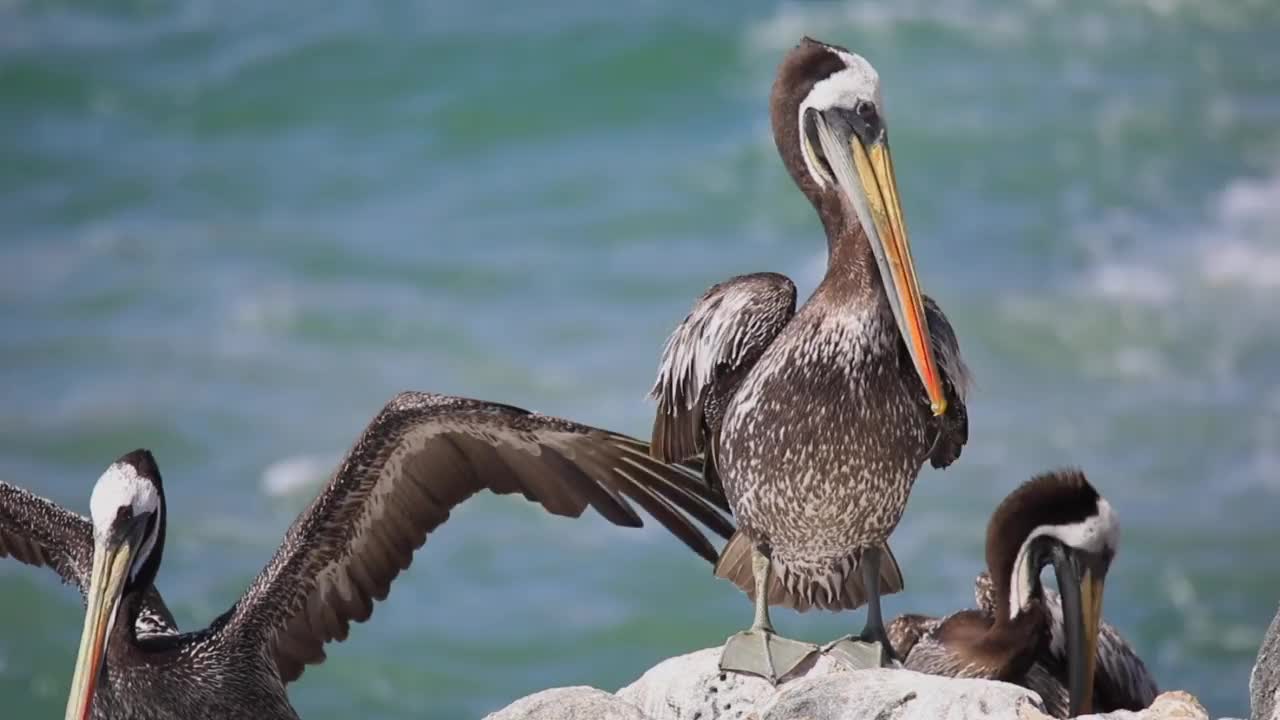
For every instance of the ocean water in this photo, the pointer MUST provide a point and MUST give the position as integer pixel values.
(230, 231)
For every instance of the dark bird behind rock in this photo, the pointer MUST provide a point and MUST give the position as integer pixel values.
(1025, 634)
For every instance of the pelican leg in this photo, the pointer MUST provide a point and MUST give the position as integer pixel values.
(871, 649)
(759, 650)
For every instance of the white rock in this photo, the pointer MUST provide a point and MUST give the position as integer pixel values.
(1264, 681)
(1175, 705)
(571, 703)
(691, 687)
(897, 694)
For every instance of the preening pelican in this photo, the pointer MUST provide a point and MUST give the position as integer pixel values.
(1026, 634)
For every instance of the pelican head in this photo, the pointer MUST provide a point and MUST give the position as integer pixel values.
(829, 125)
(1058, 519)
(127, 512)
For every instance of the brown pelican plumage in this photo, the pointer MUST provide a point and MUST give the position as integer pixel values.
(1121, 681)
(1026, 634)
(816, 422)
(421, 456)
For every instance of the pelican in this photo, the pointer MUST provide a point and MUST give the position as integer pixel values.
(1121, 681)
(420, 457)
(816, 422)
(1025, 634)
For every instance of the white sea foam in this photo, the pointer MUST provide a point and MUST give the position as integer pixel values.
(1242, 246)
(1131, 363)
(266, 309)
(1242, 265)
(828, 21)
(1237, 248)
(1248, 200)
(1131, 282)
(296, 474)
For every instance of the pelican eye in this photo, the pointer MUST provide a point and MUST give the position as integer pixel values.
(867, 111)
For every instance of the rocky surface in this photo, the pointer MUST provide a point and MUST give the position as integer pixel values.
(1264, 681)
(691, 687)
(1174, 705)
(898, 694)
(571, 703)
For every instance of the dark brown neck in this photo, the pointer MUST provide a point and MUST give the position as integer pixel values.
(1013, 640)
(1001, 579)
(851, 267)
(126, 627)
(1011, 644)
(122, 644)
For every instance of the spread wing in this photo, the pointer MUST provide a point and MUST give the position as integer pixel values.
(953, 427)
(708, 355)
(38, 532)
(1121, 680)
(418, 459)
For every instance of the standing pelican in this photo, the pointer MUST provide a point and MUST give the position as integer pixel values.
(1027, 638)
(419, 458)
(817, 422)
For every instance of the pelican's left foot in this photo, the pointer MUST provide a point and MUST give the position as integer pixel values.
(872, 648)
(860, 654)
(759, 651)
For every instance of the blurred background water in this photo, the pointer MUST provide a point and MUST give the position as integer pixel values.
(231, 230)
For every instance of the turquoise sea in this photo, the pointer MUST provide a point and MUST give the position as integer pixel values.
(231, 230)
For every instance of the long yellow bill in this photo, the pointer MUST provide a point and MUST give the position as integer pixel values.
(106, 584)
(867, 178)
(1091, 615)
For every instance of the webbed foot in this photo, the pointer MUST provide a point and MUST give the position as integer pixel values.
(860, 654)
(762, 652)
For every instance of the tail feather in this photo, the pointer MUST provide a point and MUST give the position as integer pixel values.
(735, 565)
(891, 580)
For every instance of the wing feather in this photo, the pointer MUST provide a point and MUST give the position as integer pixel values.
(953, 427)
(38, 532)
(725, 333)
(929, 644)
(417, 460)
(907, 629)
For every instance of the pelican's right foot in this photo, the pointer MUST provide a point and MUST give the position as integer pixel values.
(761, 652)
